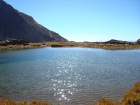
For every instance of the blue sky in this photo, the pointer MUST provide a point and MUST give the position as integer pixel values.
(85, 20)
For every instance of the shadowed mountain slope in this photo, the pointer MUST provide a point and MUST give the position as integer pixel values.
(17, 25)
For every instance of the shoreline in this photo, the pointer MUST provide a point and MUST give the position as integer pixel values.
(132, 97)
(71, 44)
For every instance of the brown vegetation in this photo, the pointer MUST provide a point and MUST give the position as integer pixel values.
(132, 97)
(73, 44)
(10, 102)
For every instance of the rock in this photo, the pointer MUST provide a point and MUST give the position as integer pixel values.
(138, 41)
(9, 41)
(113, 41)
(17, 25)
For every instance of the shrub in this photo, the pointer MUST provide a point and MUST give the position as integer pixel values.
(132, 97)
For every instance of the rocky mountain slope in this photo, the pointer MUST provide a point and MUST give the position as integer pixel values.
(17, 25)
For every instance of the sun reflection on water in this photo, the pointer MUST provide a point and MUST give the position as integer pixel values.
(68, 76)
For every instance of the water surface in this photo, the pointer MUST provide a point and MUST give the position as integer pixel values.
(68, 76)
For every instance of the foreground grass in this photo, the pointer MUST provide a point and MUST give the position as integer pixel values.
(132, 97)
(10, 102)
(73, 44)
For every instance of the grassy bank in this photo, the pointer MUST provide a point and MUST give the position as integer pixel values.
(132, 97)
(94, 45)
(73, 44)
(10, 102)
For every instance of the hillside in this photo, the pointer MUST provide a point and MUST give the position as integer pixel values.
(17, 25)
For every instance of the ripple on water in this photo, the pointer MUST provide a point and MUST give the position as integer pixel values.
(69, 76)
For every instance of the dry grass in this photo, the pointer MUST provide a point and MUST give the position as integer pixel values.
(10, 102)
(132, 97)
(94, 45)
(35, 44)
(73, 44)
(10, 47)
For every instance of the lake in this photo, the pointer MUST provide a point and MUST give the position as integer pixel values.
(68, 76)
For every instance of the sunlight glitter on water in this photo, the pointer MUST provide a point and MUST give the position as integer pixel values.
(67, 76)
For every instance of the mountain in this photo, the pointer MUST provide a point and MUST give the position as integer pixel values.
(17, 25)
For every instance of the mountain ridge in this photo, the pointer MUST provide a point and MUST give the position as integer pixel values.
(18, 25)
